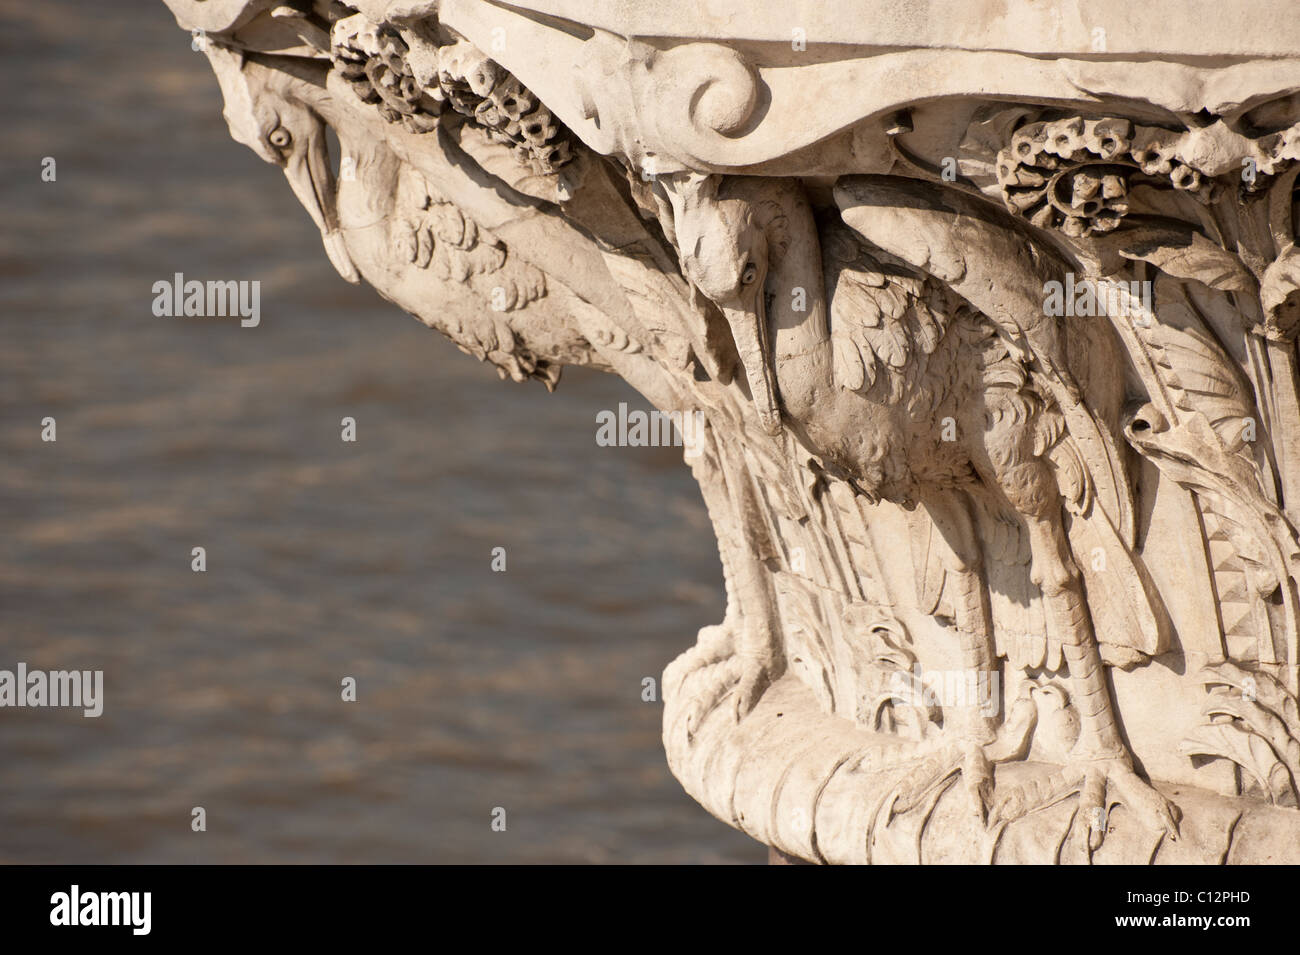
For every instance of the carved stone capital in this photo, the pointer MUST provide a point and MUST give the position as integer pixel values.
(991, 322)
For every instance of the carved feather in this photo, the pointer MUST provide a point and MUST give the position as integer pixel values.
(990, 260)
(884, 318)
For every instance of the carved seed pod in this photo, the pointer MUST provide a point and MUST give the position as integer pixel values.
(1154, 162)
(1028, 142)
(1091, 198)
(1065, 138)
(513, 100)
(1073, 174)
(477, 87)
(1108, 138)
(483, 76)
(1185, 178)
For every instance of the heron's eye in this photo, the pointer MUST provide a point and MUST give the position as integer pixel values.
(750, 275)
(279, 137)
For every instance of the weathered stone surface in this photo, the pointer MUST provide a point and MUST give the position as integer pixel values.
(992, 317)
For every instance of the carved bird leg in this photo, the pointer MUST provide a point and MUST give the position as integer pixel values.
(1100, 760)
(759, 646)
(967, 729)
(742, 655)
(758, 643)
(947, 550)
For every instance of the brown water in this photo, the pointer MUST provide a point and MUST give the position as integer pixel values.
(325, 559)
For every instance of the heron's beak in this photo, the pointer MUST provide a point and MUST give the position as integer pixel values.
(749, 330)
(312, 181)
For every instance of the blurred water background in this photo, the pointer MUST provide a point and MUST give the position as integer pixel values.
(325, 559)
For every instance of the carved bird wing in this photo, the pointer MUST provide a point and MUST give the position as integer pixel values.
(885, 317)
(989, 259)
(995, 264)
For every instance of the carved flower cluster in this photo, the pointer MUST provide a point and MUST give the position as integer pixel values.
(1073, 174)
(373, 59)
(477, 87)
(411, 86)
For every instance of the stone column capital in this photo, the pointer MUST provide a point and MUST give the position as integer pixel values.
(988, 318)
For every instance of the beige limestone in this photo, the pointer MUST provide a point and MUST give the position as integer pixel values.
(991, 310)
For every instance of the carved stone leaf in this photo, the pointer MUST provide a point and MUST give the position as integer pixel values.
(1204, 383)
(1259, 720)
(501, 161)
(1190, 367)
(1261, 686)
(1281, 282)
(1250, 752)
(990, 129)
(1186, 254)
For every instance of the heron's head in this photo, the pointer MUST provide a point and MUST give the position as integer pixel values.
(725, 254)
(275, 111)
(731, 239)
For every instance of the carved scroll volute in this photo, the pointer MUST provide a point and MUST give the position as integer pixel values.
(689, 102)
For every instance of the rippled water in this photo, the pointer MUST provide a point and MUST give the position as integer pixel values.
(325, 559)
